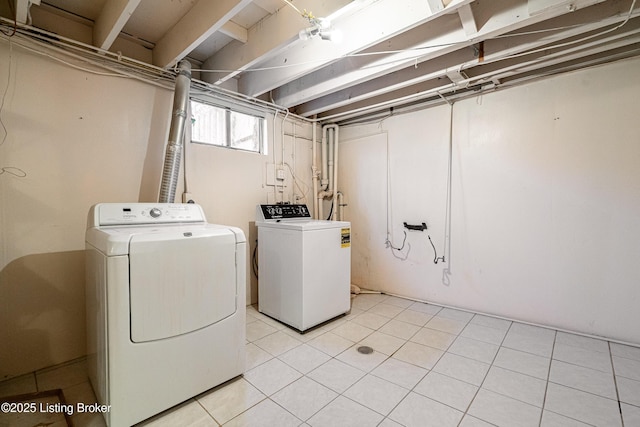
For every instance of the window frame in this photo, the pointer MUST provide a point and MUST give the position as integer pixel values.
(228, 109)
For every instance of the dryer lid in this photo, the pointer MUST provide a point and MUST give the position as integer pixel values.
(181, 281)
(113, 241)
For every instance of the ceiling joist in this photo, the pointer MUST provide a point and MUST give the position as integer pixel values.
(603, 16)
(266, 38)
(22, 10)
(362, 29)
(203, 19)
(393, 52)
(235, 31)
(412, 49)
(112, 19)
(468, 20)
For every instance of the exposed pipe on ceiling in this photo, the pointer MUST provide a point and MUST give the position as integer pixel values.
(173, 153)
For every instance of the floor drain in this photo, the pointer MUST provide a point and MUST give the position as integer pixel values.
(365, 349)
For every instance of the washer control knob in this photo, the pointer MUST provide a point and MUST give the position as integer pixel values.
(155, 212)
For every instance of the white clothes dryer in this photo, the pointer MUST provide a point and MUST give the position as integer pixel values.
(304, 266)
(165, 306)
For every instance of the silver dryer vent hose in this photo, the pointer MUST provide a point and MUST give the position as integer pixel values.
(173, 155)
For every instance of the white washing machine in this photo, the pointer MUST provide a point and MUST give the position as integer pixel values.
(165, 306)
(304, 266)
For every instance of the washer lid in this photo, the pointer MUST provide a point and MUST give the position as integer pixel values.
(304, 225)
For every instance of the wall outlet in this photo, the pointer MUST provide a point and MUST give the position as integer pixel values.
(272, 175)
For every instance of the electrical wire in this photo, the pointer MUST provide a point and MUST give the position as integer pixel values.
(361, 54)
(387, 242)
(52, 40)
(15, 21)
(10, 170)
(447, 215)
(254, 261)
(436, 258)
(435, 46)
(296, 184)
(124, 66)
(398, 254)
(330, 211)
(420, 48)
(447, 219)
(4, 94)
(305, 14)
(569, 43)
(293, 6)
(390, 245)
(77, 67)
(162, 81)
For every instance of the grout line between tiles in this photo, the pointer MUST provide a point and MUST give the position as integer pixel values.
(412, 390)
(552, 328)
(457, 335)
(615, 383)
(207, 412)
(292, 414)
(585, 392)
(466, 412)
(546, 385)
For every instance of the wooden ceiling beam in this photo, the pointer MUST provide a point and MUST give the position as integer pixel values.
(203, 19)
(112, 19)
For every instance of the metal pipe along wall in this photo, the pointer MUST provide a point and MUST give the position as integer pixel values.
(173, 154)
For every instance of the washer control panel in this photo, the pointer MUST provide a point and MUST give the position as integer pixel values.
(278, 212)
(145, 213)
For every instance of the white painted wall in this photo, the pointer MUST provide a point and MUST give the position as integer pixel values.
(545, 223)
(82, 139)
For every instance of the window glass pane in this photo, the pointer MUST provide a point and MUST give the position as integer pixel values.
(245, 131)
(208, 124)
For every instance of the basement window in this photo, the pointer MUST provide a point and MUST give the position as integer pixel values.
(226, 127)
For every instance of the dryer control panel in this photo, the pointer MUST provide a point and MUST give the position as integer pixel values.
(105, 214)
(279, 212)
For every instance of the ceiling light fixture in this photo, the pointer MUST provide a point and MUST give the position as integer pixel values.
(322, 28)
(319, 26)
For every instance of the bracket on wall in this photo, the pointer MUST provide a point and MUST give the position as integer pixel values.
(420, 227)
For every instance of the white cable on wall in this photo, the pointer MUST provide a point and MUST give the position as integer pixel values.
(10, 170)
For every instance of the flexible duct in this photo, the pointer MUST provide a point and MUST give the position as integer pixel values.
(173, 155)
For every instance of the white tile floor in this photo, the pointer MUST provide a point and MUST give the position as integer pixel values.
(431, 366)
